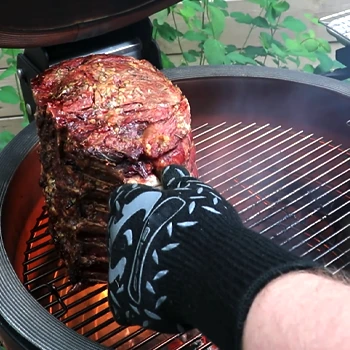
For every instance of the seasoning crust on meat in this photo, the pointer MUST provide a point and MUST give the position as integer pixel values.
(103, 120)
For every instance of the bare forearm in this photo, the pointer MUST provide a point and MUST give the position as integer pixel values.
(299, 311)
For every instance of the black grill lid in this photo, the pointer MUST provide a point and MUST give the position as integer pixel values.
(39, 23)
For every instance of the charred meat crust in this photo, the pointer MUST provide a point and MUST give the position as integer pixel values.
(103, 120)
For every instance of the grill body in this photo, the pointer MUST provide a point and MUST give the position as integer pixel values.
(274, 142)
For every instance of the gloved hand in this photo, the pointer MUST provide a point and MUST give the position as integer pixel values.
(180, 257)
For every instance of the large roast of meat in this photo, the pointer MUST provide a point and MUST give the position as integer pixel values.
(102, 121)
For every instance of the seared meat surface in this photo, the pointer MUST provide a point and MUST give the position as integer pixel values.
(102, 121)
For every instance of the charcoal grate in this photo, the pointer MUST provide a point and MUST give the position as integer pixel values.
(289, 186)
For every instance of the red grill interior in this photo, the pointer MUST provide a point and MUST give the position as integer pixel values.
(290, 186)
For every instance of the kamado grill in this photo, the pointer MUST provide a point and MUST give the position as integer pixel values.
(273, 142)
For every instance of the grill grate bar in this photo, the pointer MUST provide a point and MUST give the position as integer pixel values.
(209, 130)
(128, 337)
(278, 171)
(205, 346)
(341, 268)
(99, 327)
(80, 301)
(145, 341)
(38, 257)
(260, 163)
(111, 334)
(83, 311)
(44, 274)
(56, 279)
(305, 205)
(91, 319)
(199, 127)
(323, 242)
(38, 267)
(317, 221)
(41, 236)
(36, 248)
(294, 192)
(339, 256)
(254, 131)
(190, 341)
(242, 146)
(335, 246)
(305, 229)
(167, 341)
(46, 295)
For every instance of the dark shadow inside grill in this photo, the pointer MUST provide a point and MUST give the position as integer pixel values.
(283, 164)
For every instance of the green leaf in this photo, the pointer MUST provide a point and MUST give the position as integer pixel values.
(241, 17)
(326, 63)
(8, 94)
(293, 24)
(162, 16)
(166, 62)
(187, 10)
(8, 72)
(195, 5)
(214, 51)
(266, 40)
(220, 3)
(337, 64)
(260, 22)
(284, 36)
(272, 15)
(208, 30)
(189, 57)
(324, 44)
(276, 61)
(277, 51)
(254, 51)
(311, 45)
(11, 61)
(280, 7)
(226, 14)
(194, 36)
(24, 123)
(308, 68)
(312, 34)
(295, 60)
(5, 138)
(194, 53)
(231, 48)
(293, 45)
(312, 18)
(12, 52)
(196, 23)
(236, 57)
(217, 19)
(168, 32)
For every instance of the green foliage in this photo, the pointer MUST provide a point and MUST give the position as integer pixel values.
(284, 39)
(9, 94)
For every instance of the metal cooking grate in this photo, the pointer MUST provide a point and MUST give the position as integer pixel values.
(289, 186)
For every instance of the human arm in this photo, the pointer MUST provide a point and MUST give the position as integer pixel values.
(300, 310)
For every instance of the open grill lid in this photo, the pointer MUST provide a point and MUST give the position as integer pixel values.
(50, 22)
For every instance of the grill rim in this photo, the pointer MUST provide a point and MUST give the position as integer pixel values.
(20, 313)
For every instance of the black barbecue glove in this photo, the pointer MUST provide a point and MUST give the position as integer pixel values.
(180, 257)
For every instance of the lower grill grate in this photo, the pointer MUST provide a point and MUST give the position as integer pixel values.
(291, 187)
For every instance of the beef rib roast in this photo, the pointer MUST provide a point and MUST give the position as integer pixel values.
(103, 121)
